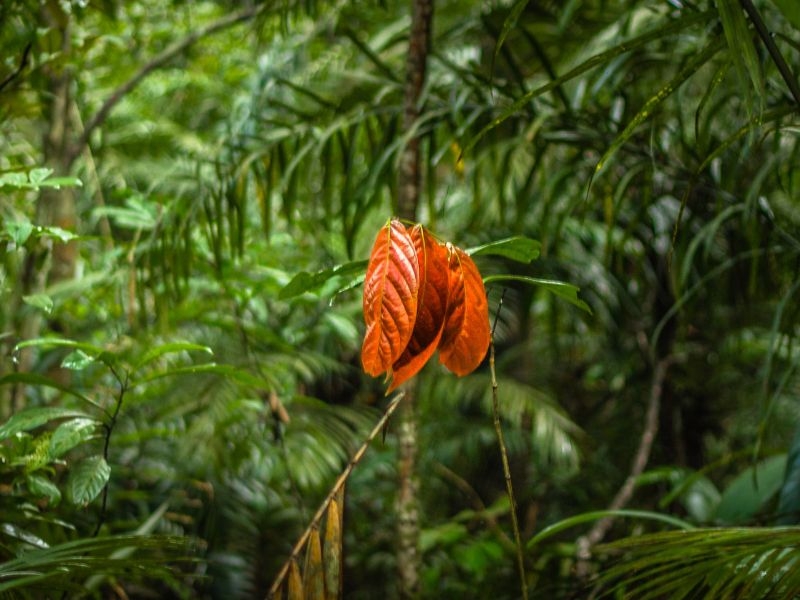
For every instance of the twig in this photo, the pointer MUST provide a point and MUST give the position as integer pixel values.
(155, 63)
(504, 455)
(23, 62)
(640, 459)
(773, 50)
(315, 521)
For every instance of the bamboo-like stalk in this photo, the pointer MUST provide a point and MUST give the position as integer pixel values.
(274, 591)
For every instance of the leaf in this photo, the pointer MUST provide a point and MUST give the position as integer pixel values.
(102, 355)
(77, 360)
(19, 231)
(332, 548)
(789, 503)
(431, 307)
(740, 45)
(751, 490)
(171, 348)
(563, 290)
(32, 418)
(390, 298)
(305, 282)
(508, 25)
(41, 301)
(70, 434)
(41, 486)
(38, 175)
(87, 479)
(466, 334)
(518, 248)
(295, 583)
(313, 574)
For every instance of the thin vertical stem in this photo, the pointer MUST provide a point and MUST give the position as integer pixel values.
(504, 455)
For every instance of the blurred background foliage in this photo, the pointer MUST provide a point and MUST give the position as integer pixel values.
(171, 421)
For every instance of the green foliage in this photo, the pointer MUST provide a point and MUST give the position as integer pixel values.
(208, 329)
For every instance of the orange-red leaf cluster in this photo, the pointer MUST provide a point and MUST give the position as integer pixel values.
(419, 296)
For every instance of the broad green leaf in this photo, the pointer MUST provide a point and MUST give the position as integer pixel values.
(30, 418)
(171, 348)
(19, 231)
(305, 282)
(39, 175)
(751, 490)
(518, 248)
(77, 360)
(87, 479)
(70, 434)
(41, 301)
(59, 182)
(566, 291)
(14, 180)
(40, 485)
(790, 10)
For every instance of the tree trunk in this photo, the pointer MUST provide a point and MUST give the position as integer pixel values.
(409, 185)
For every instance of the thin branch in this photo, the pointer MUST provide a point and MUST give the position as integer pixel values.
(315, 521)
(640, 459)
(23, 62)
(773, 50)
(504, 455)
(155, 63)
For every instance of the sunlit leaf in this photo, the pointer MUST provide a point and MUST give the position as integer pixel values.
(518, 248)
(77, 360)
(70, 434)
(390, 298)
(306, 282)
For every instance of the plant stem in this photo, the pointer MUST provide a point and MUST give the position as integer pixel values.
(507, 473)
(274, 591)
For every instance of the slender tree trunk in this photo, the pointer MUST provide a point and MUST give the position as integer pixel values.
(409, 185)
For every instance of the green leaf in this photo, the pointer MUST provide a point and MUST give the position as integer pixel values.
(790, 10)
(566, 291)
(87, 479)
(77, 360)
(740, 44)
(19, 231)
(520, 249)
(789, 503)
(70, 434)
(171, 348)
(62, 235)
(208, 368)
(14, 180)
(41, 301)
(602, 514)
(508, 25)
(30, 418)
(41, 486)
(305, 281)
(751, 490)
(37, 176)
(97, 352)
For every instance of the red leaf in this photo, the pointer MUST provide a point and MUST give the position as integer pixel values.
(391, 286)
(466, 334)
(431, 307)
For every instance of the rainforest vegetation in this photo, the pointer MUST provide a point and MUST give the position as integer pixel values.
(422, 299)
